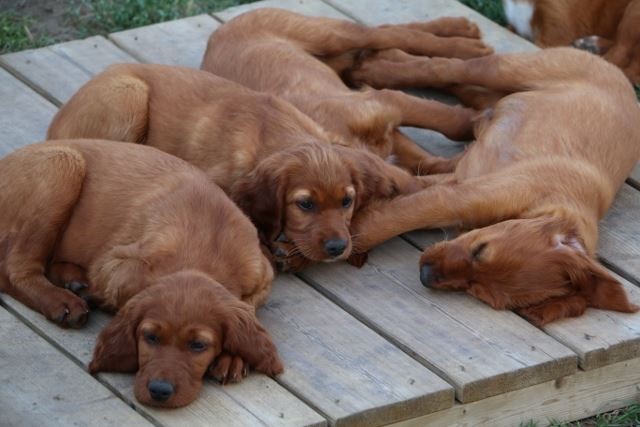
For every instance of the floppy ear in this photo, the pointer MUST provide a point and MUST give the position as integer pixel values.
(117, 346)
(261, 196)
(376, 179)
(244, 336)
(596, 284)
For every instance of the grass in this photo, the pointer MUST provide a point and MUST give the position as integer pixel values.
(492, 9)
(625, 417)
(99, 17)
(15, 33)
(105, 16)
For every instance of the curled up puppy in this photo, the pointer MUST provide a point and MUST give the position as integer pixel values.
(133, 229)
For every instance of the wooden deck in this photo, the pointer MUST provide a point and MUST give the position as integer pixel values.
(361, 347)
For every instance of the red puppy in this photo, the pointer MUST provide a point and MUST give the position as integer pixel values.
(134, 229)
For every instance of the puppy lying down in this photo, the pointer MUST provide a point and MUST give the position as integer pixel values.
(136, 230)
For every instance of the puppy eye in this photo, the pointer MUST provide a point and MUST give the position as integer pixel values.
(151, 338)
(197, 346)
(346, 202)
(305, 205)
(477, 251)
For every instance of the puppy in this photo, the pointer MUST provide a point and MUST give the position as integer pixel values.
(604, 27)
(136, 230)
(545, 167)
(299, 184)
(300, 59)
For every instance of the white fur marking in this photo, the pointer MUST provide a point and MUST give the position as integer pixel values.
(519, 14)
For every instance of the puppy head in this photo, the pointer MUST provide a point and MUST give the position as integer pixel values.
(524, 263)
(309, 194)
(172, 331)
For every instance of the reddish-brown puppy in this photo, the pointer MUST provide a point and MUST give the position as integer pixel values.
(142, 232)
(545, 167)
(606, 27)
(300, 58)
(295, 181)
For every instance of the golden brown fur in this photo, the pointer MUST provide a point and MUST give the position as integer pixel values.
(139, 231)
(299, 59)
(607, 27)
(267, 155)
(545, 167)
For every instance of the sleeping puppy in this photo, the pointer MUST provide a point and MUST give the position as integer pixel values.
(136, 230)
(300, 185)
(301, 59)
(604, 27)
(547, 162)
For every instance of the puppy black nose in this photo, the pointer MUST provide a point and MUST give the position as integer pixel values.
(160, 390)
(426, 275)
(335, 247)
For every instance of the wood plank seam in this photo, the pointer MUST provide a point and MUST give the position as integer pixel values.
(362, 318)
(75, 361)
(28, 84)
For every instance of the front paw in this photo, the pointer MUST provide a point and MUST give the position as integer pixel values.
(228, 368)
(66, 309)
(286, 257)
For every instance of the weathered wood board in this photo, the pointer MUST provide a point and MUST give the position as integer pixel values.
(24, 115)
(571, 398)
(304, 7)
(39, 386)
(257, 400)
(180, 42)
(58, 71)
(344, 369)
(402, 11)
(482, 352)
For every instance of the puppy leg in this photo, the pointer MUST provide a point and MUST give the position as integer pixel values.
(54, 176)
(332, 37)
(444, 27)
(475, 202)
(503, 73)
(418, 161)
(627, 37)
(228, 368)
(455, 122)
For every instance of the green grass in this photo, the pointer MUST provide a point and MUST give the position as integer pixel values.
(625, 417)
(99, 17)
(492, 9)
(105, 16)
(15, 33)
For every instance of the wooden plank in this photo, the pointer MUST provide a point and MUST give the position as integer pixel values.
(619, 243)
(482, 352)
(40, 386)
(344, 369)
(24, 115)
(305, 7)
(58, 71)
(256, 401)
(179, 42)
(568, 399)
(635, 176)
(601, 337)
(401, 11)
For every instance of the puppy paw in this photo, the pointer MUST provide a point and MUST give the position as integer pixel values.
(466, 48)
(589, 43)
(460, 27)
(228, 368)
(358, 260)
(286, 257)
(66, 309)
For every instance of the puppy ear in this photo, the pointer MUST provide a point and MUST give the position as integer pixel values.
(596, 284)
(117, 346)
(376, 179)
(245, 337)
(261, 196)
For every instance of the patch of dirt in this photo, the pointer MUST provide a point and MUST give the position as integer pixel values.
(48, 17)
